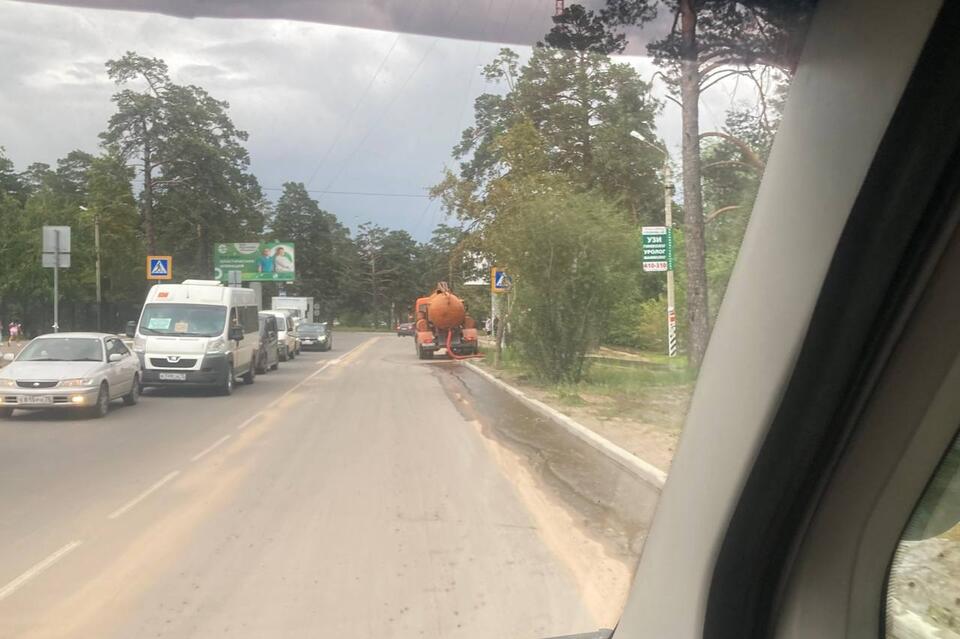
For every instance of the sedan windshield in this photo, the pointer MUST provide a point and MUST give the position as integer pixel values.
(63, 349)
(192, 320)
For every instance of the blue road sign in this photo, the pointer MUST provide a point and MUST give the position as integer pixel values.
(159, 267)
(499, 280)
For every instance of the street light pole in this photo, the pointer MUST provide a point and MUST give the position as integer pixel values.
(672, 348)
(56, 281)
(96, 248)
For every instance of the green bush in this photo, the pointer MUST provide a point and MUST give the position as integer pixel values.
(639, 323)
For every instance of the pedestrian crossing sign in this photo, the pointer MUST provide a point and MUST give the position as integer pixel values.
(500, 282)
(159, 267)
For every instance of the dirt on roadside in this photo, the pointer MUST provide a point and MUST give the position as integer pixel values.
(646, 422)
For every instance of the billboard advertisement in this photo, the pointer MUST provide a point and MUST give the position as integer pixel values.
(256, 261)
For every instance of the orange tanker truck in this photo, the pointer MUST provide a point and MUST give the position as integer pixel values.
(442, 322)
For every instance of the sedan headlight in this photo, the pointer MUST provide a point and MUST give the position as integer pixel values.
(76, 382)
(216, 345)
(322, 338)
(7, 383)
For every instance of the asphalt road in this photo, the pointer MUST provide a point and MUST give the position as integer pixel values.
(345, 495)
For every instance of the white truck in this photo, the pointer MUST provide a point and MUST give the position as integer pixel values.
(302, 307)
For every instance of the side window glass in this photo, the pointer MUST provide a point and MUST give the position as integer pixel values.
(923, 588)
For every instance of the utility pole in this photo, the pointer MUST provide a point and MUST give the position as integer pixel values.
(672, 348)
(668, 222)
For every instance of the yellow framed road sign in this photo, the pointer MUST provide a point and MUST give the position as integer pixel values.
(159, 267)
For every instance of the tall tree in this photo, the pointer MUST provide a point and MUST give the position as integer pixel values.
(375, 274)
(582, 104)
(138, 129)
(709, 40)
(325, 254)
(197, 189)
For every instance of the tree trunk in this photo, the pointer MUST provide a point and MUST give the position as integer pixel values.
(698, 328)
(148, 233)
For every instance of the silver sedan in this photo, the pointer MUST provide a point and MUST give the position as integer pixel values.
(70, 370)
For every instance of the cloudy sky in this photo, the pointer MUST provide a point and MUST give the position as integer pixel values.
(340, 108)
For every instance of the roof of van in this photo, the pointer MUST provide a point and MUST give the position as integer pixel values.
(190, 293)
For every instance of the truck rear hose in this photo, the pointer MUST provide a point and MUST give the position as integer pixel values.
(454, 355)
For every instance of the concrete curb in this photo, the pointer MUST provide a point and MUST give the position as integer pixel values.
(646, 471)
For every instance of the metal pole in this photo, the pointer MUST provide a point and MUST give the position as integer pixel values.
(56, 281)
(96, 244)
(668, 222)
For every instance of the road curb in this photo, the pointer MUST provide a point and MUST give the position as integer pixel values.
(645, 471)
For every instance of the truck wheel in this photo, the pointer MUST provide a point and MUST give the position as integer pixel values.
(262, 363)
(226, 386)
(250, 375)
(424, 353)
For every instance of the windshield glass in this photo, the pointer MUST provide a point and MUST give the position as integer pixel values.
(520, 219)
(63, 349)
(193, 320)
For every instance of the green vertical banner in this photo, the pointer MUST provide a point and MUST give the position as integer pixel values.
(657, 247)
(669, 249)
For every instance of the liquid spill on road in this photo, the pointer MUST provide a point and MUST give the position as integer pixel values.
(592, 512)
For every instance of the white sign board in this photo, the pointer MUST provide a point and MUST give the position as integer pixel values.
(56, 243)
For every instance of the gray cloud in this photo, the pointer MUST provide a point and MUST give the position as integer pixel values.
(296, 87)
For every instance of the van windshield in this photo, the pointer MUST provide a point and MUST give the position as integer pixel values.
(194, 320)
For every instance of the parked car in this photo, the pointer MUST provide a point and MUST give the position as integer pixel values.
(268, 357)
(316, 337)
(286, 333)
(70, 370)
(405, 329)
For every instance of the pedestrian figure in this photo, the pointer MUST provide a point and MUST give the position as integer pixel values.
(14, 330)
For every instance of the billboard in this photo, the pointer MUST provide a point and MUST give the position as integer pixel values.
(256, 261)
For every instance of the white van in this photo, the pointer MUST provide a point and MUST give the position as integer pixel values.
(197, 333)
(286, 333)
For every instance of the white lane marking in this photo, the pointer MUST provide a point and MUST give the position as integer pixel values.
(12, 587)
(250, 420)
(209, 448)
(136, 500)
(322, 368)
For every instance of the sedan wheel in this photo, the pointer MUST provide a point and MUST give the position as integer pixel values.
(133, 396)
(102, 407)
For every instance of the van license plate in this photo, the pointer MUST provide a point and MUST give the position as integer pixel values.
(173, 377)
(35, 399)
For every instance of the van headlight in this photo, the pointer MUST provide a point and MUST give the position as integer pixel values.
(139, 344)
(215, 346)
